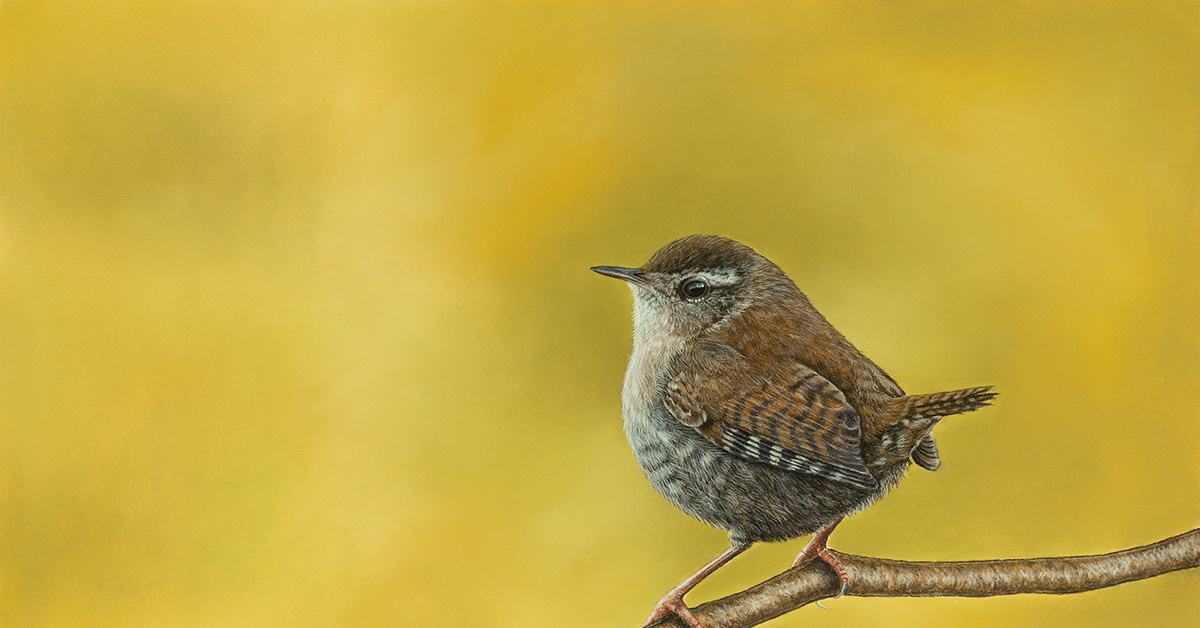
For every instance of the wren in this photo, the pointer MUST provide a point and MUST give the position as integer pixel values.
(747, 410)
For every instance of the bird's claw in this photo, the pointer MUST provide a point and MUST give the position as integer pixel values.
(822, 552)
(672, 604)
(840, 594)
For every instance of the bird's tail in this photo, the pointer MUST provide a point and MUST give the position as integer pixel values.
(916, 415)
(938, 405)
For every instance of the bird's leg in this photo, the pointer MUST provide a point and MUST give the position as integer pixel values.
(672, 602)
(816, 549)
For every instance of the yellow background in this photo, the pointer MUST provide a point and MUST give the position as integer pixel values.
(298, 328)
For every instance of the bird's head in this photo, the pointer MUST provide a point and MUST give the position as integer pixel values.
(697, 284)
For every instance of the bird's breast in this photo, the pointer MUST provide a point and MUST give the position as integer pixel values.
(648, 366)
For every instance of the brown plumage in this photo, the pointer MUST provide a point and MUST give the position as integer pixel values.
(795, 420)
(749, 411)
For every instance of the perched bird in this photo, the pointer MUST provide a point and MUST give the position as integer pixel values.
(747, 410)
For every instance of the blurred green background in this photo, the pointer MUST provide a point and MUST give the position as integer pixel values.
(297, 326)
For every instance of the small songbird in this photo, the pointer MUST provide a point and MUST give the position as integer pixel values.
(747, 410)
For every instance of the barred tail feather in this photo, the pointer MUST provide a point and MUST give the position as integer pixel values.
(945, 403)
(916, 416)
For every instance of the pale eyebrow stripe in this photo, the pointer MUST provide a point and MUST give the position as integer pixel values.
(718, 277)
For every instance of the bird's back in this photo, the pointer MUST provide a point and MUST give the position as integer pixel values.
(792, 330)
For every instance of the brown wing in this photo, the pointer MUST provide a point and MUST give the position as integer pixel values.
(796, 420)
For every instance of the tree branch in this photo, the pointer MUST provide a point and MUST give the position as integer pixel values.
(878, 577)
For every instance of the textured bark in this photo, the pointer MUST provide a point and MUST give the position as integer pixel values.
(878, 577)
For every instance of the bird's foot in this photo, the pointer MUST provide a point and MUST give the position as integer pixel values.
(817, 549)
(672, 604)
(824, 554)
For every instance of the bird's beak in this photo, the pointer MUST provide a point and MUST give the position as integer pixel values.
(634, 275)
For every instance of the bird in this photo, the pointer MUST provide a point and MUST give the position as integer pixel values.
(747, 410)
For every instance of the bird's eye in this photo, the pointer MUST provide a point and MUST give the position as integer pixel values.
(693, 288)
